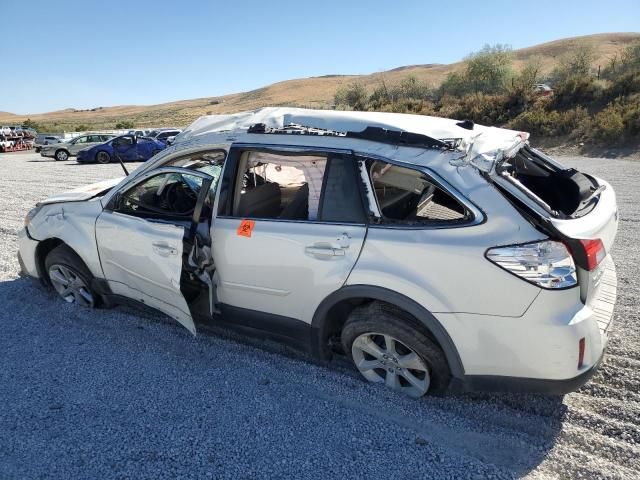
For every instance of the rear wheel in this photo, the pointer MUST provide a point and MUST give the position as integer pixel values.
(103, 157)
(70, 277)
(62, 155)
(386, 347)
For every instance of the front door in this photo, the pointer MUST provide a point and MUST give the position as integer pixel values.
(126, 148)
(289, 229)
(140, 238)
(80, 143)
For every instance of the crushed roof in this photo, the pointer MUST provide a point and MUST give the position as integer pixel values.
(343, 121)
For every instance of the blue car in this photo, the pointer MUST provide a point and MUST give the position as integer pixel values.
(128, 148)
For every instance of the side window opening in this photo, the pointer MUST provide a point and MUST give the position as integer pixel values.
(408, 196)
(166, 194)
(173, 195)
(314, 187)
(279, 186)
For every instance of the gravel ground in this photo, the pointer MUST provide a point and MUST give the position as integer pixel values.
(123, 394)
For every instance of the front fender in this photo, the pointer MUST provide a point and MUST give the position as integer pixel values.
(74, 224)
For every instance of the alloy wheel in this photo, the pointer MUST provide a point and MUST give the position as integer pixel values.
(103, 157)
(70, 285)
(380, 358)
(62, 156)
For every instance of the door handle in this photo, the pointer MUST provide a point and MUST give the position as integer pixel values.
(164, 249)
(324, 252)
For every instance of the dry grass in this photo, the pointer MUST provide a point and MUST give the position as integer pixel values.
(315, 92)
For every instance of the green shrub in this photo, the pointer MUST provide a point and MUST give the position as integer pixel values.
(576, 90)
(551, 123)
(625, 84)
(124, 124)
(455, 85)
(619, 121)
(353, 95)
(487, 71)
(81, 128)
(608, 125)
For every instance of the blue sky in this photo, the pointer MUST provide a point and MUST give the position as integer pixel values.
(84, 54)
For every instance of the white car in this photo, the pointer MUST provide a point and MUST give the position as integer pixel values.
(434, 254)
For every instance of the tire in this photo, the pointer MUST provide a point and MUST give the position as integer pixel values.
(103, 157)
(70, 277)
(372, 326)
(61, 155)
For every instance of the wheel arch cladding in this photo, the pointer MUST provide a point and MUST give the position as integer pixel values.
(334, 309)
(42, 250)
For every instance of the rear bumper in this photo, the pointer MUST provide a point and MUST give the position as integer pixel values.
(495, 383)
(539, 351)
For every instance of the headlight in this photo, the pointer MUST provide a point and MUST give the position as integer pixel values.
(547, 264)
(32, 213)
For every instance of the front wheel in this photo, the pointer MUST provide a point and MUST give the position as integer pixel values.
(70, 277)
(62, 155)
(386, 347)
(103, 157)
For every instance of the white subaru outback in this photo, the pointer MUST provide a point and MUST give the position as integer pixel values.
(435, 254)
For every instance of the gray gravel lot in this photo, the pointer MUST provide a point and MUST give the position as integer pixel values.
(124, 394)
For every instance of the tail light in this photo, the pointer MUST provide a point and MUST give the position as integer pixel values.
(547, 264)
(594, 252)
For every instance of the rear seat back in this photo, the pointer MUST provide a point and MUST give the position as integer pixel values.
(261, 201)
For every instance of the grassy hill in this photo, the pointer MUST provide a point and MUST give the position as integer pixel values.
(315, 92)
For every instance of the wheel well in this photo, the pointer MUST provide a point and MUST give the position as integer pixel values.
(331, 315)
(42, 250)
(338, 314)
(63, 149)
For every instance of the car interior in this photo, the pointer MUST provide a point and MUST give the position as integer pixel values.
(566, 191)
(406, 195)
(174, 195)
(279, 186)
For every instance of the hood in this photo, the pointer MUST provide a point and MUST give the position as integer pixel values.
(83, 193)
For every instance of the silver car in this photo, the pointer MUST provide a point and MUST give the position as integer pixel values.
(62, 151)
(433, 254)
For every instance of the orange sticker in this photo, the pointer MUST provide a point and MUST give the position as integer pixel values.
(245, 228)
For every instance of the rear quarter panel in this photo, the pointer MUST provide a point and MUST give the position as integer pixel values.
(445, 269)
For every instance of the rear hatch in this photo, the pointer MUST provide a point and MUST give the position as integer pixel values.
(578, 209)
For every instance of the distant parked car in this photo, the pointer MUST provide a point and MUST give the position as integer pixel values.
(4, 144)
(543, 89)
(139, 133)
(6, 131)
(163, 134)
(43, 140)
(129, 148)
(29, 132)
(62, 151)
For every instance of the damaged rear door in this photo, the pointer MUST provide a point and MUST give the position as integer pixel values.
(141, 236)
